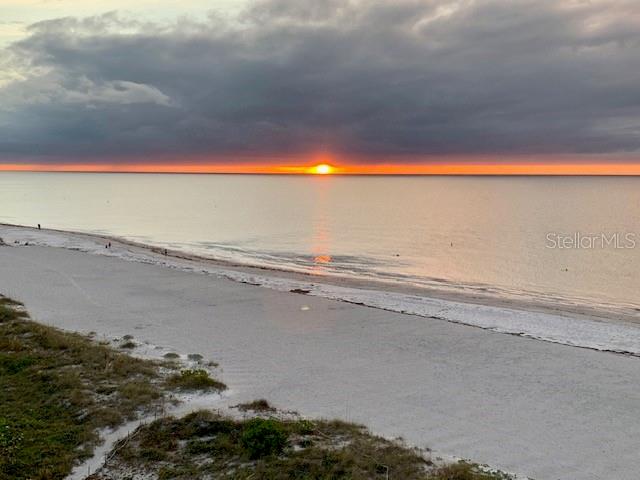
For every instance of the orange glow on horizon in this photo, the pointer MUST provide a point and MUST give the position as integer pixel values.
(346, 169)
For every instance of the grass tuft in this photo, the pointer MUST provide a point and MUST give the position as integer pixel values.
(194, 379)
(259, 406)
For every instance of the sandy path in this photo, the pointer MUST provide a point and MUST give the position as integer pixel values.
(540, 409)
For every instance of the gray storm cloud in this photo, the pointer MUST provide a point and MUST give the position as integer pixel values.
(363, 78)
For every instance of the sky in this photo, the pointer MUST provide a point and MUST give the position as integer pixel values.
(425, 86)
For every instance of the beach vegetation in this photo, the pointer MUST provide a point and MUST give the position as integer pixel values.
(59, 389)
(208, 445)
(260, 406)
(194, 379)
(263, 437)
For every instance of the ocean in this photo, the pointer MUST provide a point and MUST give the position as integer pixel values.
(573, 240)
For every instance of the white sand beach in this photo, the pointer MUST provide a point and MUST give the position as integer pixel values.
(495, 385)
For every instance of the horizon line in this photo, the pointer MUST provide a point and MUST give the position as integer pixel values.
(471, 169)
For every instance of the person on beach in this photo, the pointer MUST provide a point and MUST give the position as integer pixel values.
(39, 227)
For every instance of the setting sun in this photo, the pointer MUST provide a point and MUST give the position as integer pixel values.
(321, 169)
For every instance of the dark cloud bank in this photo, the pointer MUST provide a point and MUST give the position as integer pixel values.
(363, 78)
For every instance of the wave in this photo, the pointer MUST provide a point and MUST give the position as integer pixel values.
(386, 272)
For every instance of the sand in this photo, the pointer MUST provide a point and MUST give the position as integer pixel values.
(542, 409)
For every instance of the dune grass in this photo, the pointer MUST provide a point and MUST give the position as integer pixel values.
(58, 389)
(196, 379)
(259, 406)
(206, 445)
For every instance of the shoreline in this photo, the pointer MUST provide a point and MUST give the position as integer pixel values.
(583, 327)
(526, 301)
(490, 296)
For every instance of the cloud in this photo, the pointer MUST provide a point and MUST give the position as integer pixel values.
(363, 78)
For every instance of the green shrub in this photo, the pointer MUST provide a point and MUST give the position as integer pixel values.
(263, 437)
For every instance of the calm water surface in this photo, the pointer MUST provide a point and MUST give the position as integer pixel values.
(479, 234)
